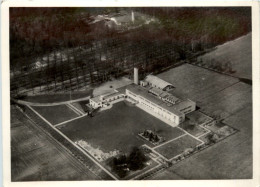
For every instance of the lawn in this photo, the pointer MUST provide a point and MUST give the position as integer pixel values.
(176, 147)
(117, 128)
(192, 122)
(198, 117)
(58, 97)
(56, 114)
(192, 128)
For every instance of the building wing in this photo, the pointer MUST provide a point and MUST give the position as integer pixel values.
(157, 82)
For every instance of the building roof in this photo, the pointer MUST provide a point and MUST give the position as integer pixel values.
(172, 98)
(96, 99)
(156, 91)
(183, 104)
(144, 93)
(164, 94)
(157, 81)
(111, 95)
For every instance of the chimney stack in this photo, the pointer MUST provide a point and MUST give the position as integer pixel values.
(136, 80)
(133, 17)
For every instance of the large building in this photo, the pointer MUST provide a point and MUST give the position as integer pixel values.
(152, 97)
(168, 107)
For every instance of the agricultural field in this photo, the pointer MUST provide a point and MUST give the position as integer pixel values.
(196, 83)
(222, 97)
(236, 52)
(228, 101)
(228, 159)
(56, 114)
(117, 128)
(35, 157)
(178, 146)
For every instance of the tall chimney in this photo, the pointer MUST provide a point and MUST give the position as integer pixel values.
(136, 80)
(133, 17)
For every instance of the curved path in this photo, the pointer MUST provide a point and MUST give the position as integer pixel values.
(22, 102)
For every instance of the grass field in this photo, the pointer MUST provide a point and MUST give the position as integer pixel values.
(228, 101)
(196, 83)
(228, 98)
(58, 97)
(195, 130)
(192, 122)
(228, 159)
(35, 158)
(178, 146)
(117, 128)
(55, 114)
(238, 52)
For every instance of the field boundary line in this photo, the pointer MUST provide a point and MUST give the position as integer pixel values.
(204, 134)
(146, 172)
(75, 145)
(52, 140)
(160, 155)
(190, 135)
(28, 103)
(74, 109)
(169, 141)
(221, 91)
(64, 122)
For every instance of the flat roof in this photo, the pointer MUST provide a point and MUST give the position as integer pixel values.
(112, 95)
(96, 99)
(183, 104)
(157, 90)
(144, 93)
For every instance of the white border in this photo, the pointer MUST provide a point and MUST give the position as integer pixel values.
(109, 3)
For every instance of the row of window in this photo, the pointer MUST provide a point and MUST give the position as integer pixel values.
(160, 113)
(185, 108)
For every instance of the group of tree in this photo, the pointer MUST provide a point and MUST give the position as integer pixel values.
(151, 136)
(75, 49)
(134, 161)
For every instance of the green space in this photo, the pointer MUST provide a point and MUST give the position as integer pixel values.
(196, 83)
(36, 157)
(192, 128)
(117, 128)
(57, 97)
(192, 122)
(55, 114)
(178, 146)
(234, 57)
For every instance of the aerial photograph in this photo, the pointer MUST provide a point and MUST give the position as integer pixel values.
(130, 93)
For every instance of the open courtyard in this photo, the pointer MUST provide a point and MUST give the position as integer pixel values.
(117, 128)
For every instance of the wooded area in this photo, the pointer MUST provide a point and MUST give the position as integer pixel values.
(72, 53)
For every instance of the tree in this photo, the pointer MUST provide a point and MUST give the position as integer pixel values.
(156, 138)
(136, 159)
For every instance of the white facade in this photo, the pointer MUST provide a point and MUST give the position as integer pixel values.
(104, 100)
(175, 118)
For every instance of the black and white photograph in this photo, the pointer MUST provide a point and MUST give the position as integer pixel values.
(130, 93)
